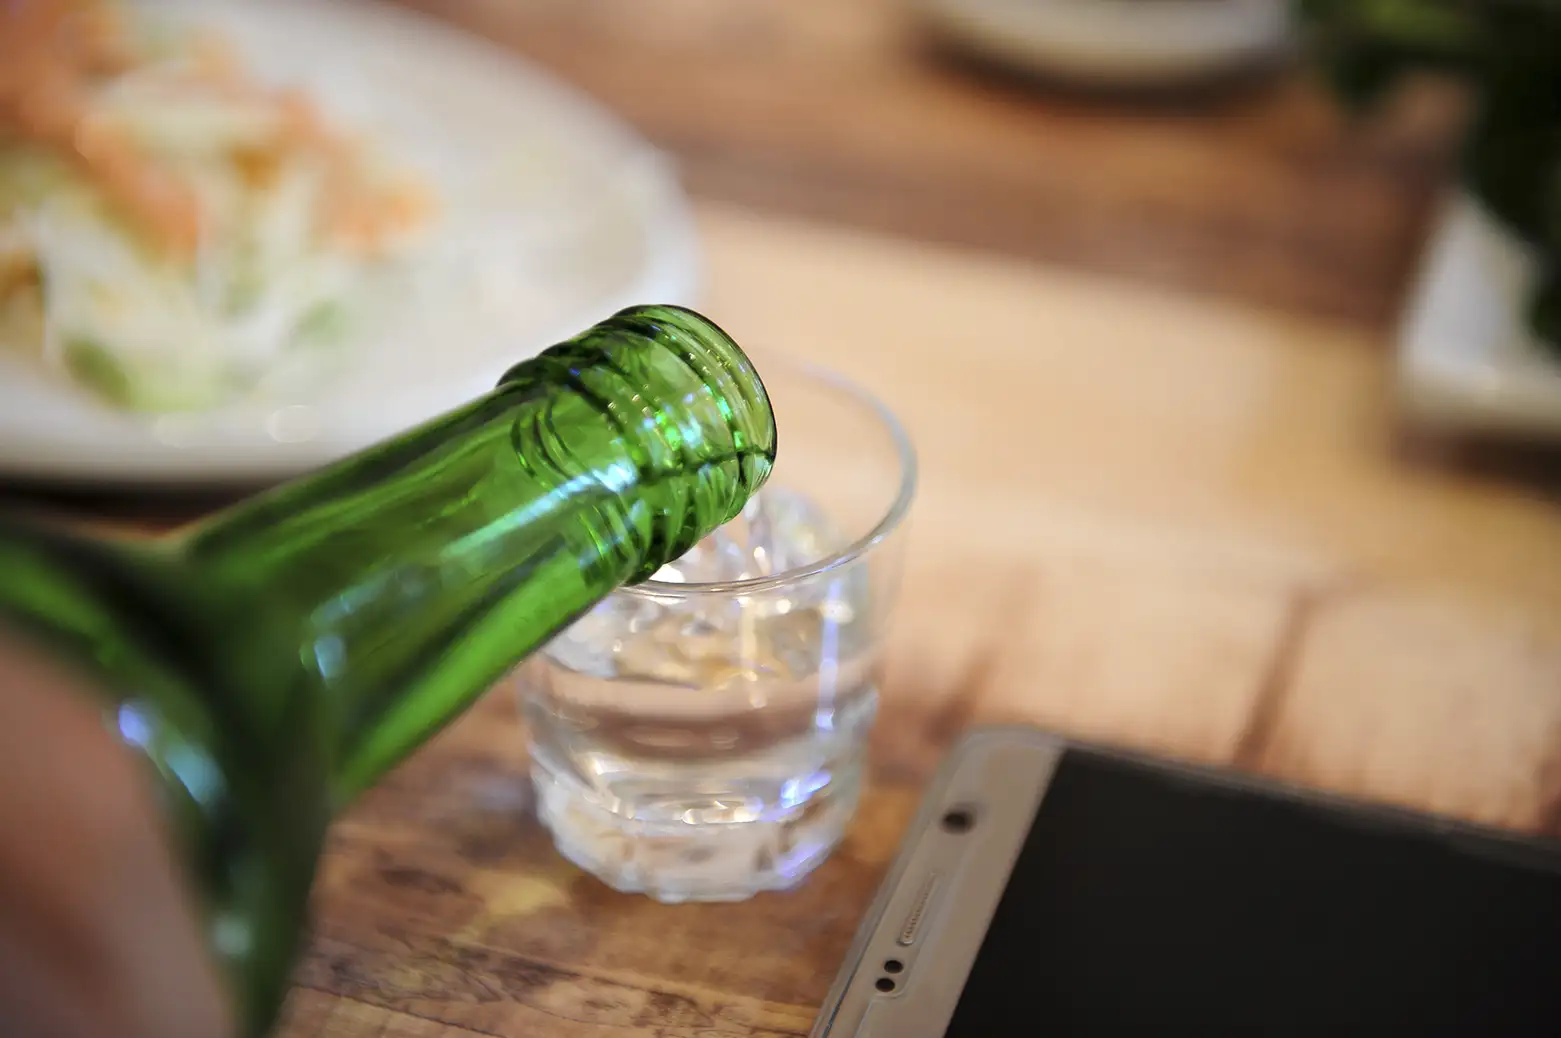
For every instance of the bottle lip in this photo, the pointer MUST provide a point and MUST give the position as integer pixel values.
(893, 516)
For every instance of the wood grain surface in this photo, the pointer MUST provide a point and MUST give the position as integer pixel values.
(1140, 345)
(1144, 519)
(841, 109)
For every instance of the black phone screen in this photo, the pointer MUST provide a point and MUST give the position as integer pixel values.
(1145, 900)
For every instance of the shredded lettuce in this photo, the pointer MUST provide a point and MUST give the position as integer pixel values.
(96, 368)
(142, 330)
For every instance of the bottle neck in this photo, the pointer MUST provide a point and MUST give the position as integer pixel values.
(401, 583)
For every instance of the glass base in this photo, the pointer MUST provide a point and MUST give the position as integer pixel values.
(690, 861)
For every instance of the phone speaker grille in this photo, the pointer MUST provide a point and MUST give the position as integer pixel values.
(918, 913)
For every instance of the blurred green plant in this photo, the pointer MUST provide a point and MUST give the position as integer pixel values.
(1509, 52)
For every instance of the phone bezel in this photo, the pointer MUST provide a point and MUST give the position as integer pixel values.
(1003, 772)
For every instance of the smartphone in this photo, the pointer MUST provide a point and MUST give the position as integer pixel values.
(1058, 889)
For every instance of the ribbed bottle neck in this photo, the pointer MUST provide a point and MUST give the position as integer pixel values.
(408, 578)
(689, 405)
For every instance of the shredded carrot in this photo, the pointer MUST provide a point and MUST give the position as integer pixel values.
(50, 51)
(53, 53)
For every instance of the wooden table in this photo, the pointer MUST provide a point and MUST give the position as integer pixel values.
(1163, 501)
(1145, 518)
(841, 109)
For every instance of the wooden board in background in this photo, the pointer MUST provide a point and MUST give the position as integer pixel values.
(837, 109)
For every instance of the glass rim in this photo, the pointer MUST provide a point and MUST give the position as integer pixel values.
(904, 450)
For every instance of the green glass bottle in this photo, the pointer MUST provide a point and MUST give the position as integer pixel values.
(277, 659)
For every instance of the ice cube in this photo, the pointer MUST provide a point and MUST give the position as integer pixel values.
(593, 644)
(715, 639)
(719, 558)
(788, 530)
(778, 530)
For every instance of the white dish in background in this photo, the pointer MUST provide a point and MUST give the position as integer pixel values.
(578, 215)
(1467, 361)
(1115, 42)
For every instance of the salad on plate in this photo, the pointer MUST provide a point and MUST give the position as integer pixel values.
(174, 234)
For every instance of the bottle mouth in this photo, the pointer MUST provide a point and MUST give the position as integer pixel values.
(888, 521)
(693, 419)
(742, 410)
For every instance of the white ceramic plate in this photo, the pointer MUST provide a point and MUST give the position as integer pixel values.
(553, 216)
(1467, 361)
(1115, 42)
